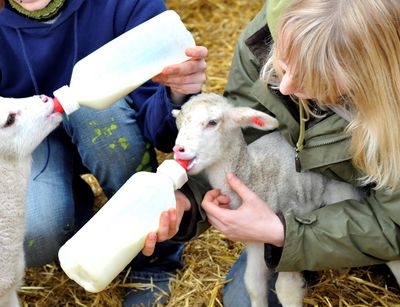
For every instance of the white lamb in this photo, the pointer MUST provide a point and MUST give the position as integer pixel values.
(24, 123)
(210, 138)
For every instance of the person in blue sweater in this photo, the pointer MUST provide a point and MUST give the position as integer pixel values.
(40, 41)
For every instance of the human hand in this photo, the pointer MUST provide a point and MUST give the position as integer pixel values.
(169, 224)
(187, 77)
(253, 221)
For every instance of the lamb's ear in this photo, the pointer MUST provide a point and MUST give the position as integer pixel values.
(248, 117)
(175, 112)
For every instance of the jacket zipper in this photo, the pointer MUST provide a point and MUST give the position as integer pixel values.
(316, 144)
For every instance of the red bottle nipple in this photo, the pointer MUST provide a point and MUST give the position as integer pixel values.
(183, 163)
(57, 106)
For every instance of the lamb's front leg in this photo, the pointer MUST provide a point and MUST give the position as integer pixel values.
(290, 289)
(10, 299)
(395, 268)
(11, 276)
(256, 275)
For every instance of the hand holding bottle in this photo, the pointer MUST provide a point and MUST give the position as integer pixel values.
(132, 59)
(106, 244)
(187, 77)
(169, 224)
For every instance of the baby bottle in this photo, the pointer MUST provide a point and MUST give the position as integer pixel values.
(107, 243)
(125, 63)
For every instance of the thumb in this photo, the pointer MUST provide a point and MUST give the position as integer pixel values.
(238, 186)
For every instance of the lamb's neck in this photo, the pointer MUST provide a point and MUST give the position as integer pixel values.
(240, 162)
(20, 166)
(13, 183)
(237, 161)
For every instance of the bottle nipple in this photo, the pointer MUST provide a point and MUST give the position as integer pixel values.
(174, 171)
(57, 107)
(65, 100)
(183, 163)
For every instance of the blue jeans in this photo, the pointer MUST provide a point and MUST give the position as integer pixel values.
(157, 270)
(107, 143)
(235, 293)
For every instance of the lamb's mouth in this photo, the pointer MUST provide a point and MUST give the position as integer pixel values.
(50, 110)
(52, 115)
(186, 164)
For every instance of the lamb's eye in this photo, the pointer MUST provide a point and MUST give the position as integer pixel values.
(212, 123)
(10, 120)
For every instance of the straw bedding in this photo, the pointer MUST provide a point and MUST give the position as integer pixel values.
(215, 24)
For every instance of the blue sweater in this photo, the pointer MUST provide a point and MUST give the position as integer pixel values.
(38, 58)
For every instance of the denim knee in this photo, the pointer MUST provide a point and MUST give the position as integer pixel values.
(110, 144)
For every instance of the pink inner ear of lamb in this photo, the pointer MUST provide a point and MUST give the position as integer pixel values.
(257, 121)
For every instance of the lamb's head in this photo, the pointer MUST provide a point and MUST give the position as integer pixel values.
(210, 129)
(24, 123)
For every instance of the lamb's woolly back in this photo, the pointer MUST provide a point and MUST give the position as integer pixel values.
(24, 123)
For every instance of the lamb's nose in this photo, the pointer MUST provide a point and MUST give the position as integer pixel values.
(44, 98)
(178, 148)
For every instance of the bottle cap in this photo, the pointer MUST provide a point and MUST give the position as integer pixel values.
(66, 99)
(175, 171)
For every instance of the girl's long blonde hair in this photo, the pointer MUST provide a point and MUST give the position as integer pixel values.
(347, 53)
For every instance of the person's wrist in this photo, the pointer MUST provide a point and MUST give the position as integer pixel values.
(177, 98)
(278, 231)
(183, 201)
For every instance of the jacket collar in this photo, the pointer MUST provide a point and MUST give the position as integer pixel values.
(11, 19)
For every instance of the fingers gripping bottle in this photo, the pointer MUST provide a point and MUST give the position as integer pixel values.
(125, 63)
(108, 242)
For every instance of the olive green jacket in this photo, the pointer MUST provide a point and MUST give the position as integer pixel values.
(346, 234)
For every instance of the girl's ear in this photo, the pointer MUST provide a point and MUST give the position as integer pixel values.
(248, 117)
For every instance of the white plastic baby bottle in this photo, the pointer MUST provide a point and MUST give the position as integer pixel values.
(107, 243)
(125, 63)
